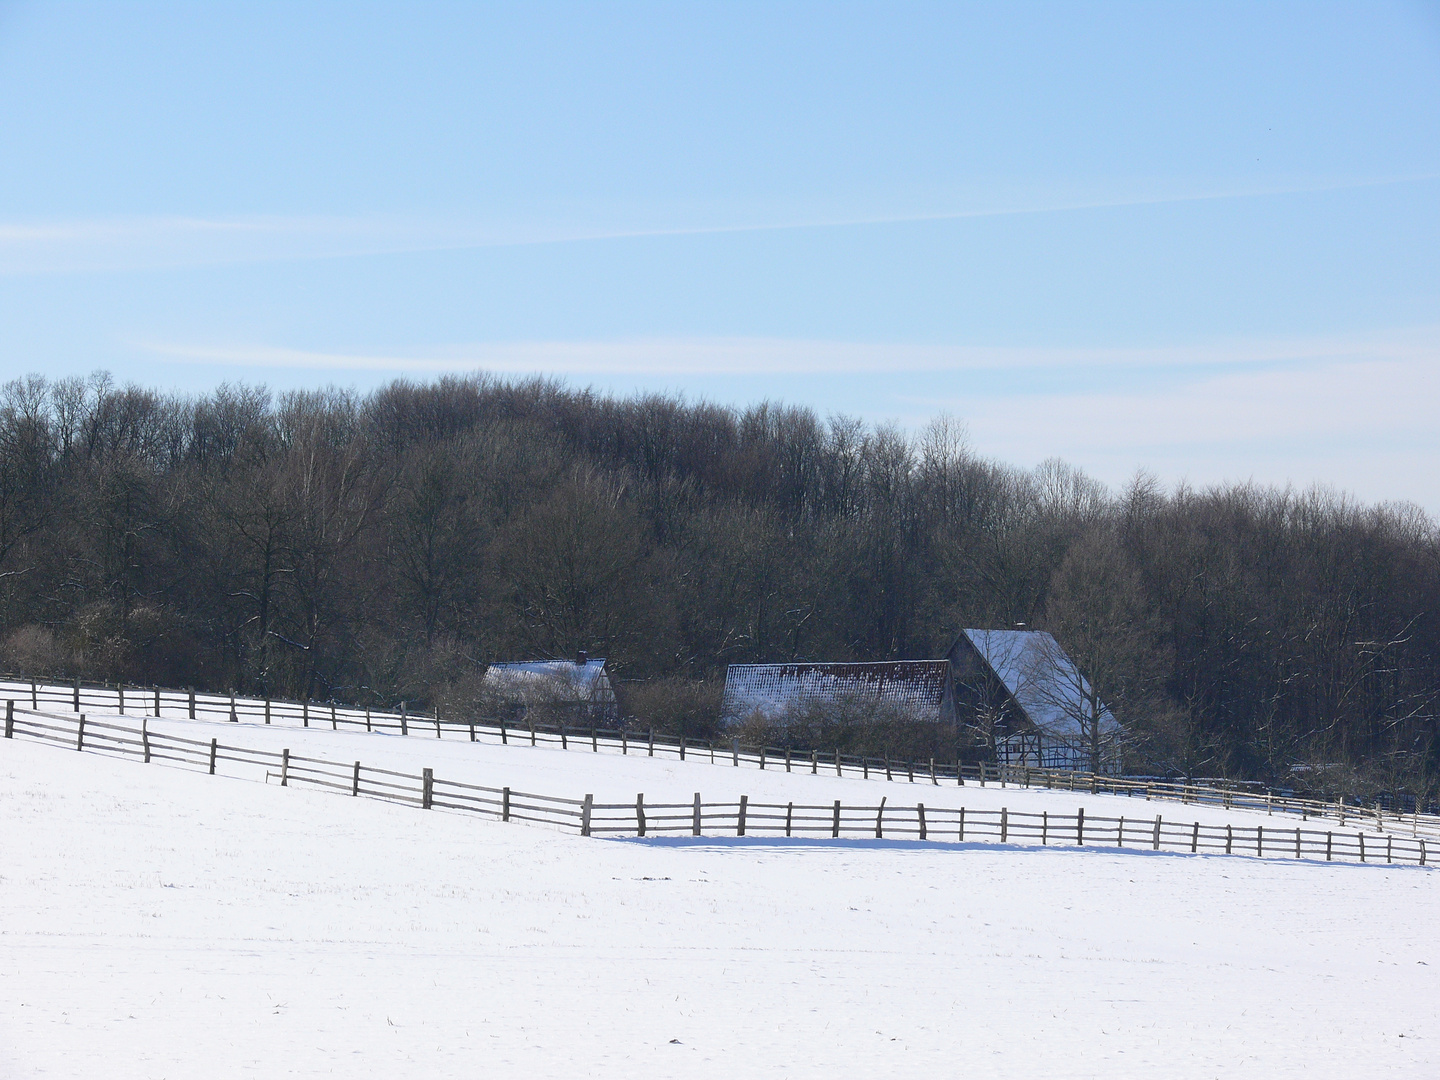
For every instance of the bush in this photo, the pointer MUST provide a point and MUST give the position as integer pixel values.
(859, 725)
(675, 706)
(34, 651)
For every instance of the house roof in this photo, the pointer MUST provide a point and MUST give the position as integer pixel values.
(914, 684)
(585, 676)
(1040, 677)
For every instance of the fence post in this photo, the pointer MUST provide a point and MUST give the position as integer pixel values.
(887, 769)
(427, 788)
(789, 816)
(367, 718)
(762, 759)
(735, 751)
(234, 718)
(837, 764)
(437, 719)
(191, 702)
(1004, 824)
(157, 702)
(564, 740)
(920, 814)
(531, 723)
(35, 695)
(640, 814)
(305, 712)
(962, 824)
(284, 768)
(624, 739)
(213, 747)
(652, 742)
(1195, 839)
(982, 774)
(267, 710)
(1329, 841)
(695, 821)
(77, 693)
(1156, 840)
(1297, 843)
(120, 697)
(787, 759)
(80, 733)
(9, 719)
(504, 734)
(740, 821)
(1044, 827)
(1362, 845)
(933, 778)
(814, 762)
(879, 814)
(1080, 827)
(404, 720)
(1260, 840)
(585, 808)
(1229, 837)
(505, 804)
(472, 730)
(355, 780)
(1422, 852)
(145, 739)
(595, 744)
(835, 829)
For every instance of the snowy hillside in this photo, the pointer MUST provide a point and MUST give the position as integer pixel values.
(160, 922)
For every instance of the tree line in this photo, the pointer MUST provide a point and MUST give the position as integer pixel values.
(387, 546)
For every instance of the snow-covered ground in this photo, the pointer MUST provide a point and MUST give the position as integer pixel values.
(157, 922)
(616, 779)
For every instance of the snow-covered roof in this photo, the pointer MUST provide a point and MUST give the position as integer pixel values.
(1039, 676)
(917, 685)
(586, 677)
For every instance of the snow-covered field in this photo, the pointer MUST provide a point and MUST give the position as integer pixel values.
(157, 922)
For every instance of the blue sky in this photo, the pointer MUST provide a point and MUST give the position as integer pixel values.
(1196, 238)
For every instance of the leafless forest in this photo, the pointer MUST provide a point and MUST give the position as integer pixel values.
(384, 547)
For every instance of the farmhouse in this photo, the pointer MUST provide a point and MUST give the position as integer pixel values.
(578, 690)
(1024, 698)
(1012, 694)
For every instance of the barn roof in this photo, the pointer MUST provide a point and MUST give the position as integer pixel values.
(918, 685)
(1039, 676)
(585, 676)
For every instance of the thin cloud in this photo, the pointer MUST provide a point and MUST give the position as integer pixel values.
(119, 244)
(747, 356)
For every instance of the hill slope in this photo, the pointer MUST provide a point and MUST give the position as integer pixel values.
(157, 923)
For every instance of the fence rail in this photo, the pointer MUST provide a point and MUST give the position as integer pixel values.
(884, 820)
(1385, 815)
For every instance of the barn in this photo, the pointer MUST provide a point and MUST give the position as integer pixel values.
(920, 689)
(1025, 699)
(578, 690)
(1012, 695)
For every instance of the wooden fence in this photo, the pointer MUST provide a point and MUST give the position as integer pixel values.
(697, 818)
(1383, 815)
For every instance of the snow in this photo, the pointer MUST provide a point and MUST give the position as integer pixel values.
(614, 778)
(159, 922)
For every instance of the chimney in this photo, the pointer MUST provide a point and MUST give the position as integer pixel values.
(581, 658)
